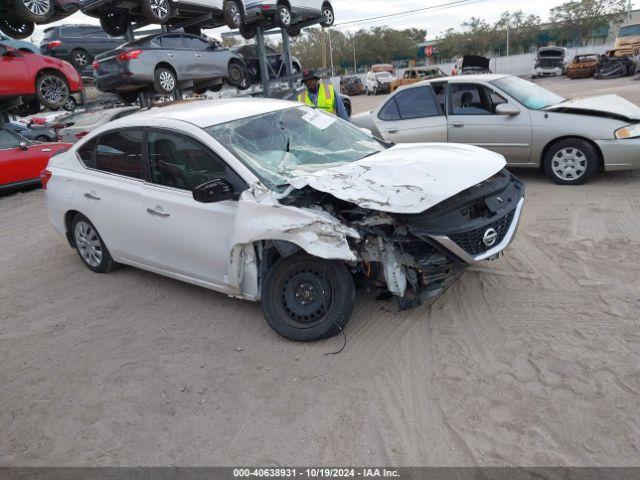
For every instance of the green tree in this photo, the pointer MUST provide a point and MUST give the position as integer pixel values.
(581, 18)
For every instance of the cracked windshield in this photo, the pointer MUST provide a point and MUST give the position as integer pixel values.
(281, 145)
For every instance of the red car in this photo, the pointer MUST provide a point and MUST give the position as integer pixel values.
(48, 80)
(21, 160)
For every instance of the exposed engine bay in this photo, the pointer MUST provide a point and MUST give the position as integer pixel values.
(417, 257)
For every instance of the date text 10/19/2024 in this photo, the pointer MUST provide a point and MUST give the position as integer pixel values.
(308, 473)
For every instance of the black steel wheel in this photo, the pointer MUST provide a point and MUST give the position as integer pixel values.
(306, 298)
(233, 14)
(36, 11)
(15, 27)
(52, 90)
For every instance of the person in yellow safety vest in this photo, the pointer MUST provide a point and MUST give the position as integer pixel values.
(322, 96)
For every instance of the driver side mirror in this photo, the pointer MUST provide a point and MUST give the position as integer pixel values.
(216, 190)
(507, 109)
(24, 146)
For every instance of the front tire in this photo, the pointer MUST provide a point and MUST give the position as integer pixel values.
(571, 161)
(36, 11)
(156, 11)
(16, 28)
(306, 298)
(52, 90)
(90, 246)
(165, 81)
(232, 14)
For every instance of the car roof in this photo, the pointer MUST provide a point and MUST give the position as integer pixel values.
(205, 113)
(487, 77)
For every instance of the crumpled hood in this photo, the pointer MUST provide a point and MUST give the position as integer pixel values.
(407, 178)
(608, 104)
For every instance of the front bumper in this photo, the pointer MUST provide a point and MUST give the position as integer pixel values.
(465, 256)
(478, 223)
(547, 72)
(622, 154)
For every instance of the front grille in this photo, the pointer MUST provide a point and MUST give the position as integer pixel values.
(471, 242)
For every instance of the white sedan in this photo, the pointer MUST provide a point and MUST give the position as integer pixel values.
(274, 201)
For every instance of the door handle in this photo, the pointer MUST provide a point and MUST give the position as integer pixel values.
(198, 55)
(169, 54)
(45, 150)
(158, 212)
(393, 130)
(458, 124)
(91, 196)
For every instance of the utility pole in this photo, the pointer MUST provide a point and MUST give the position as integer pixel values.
(508, 36)
(324, 48)
(355, 65)
(330, 50)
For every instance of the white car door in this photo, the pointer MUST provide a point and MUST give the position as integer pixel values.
(412, 115)
(109, 192)
(187, 238)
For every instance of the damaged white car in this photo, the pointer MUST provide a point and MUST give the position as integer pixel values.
(273, 201)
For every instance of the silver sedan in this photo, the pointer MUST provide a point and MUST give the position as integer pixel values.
(571, 139)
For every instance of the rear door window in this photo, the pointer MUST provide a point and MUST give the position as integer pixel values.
(172, 42)
(120, 152)
(413, 103)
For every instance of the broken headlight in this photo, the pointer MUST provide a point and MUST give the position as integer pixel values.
(630, 131)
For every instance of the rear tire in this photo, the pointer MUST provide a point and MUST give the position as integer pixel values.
(165, 81)
(16, 28)
(232, 14)
(156, 11)
(39, 11)
(90, 246)
(328, 17)
(42, 138)
(248, 32)
(115, 24)
(80, 58)
(306, 298)
(571, 161)
(52, 90)
(238, 76)
(283, 16)
(71, 104)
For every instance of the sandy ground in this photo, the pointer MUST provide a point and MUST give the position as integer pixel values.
(530, 360)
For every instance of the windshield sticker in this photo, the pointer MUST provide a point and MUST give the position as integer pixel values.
(318, 119)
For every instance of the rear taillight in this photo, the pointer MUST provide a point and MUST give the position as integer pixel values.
(95, 65)
(79, 135)
(54, 44)
(45, 176)
(129, 55)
